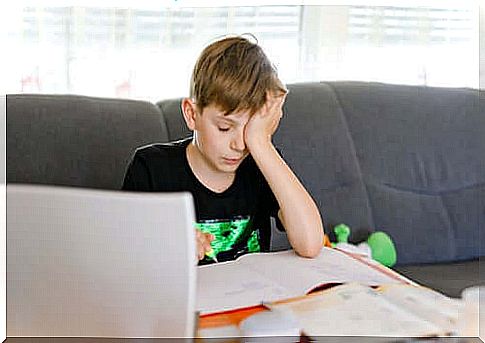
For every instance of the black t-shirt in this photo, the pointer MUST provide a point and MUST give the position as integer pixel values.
(239, 217)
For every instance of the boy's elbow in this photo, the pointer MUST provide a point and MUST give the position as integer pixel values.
(314, 245)
(311, 250)
(309, 242)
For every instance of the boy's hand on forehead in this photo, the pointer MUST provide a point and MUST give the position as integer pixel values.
(263, 124)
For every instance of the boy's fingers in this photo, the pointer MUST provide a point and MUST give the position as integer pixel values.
(203, 241)
(270, 99)
(268, 96)
(203, 235)
(208, 237)
(204, 247)
(278, 102)
(207, 245)
(199, 237)
(278, 97)
(200, 251)
(269, 108)
(200, 245)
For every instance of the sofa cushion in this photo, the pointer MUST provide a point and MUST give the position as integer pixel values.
(422, 161)
(172, 113)
(76, 140)
(448, 278)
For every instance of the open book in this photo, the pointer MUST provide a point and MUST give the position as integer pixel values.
(253, 279)
(392, 310)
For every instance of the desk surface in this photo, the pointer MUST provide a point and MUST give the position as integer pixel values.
(341, 339)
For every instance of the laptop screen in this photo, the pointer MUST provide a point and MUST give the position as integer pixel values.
(83, 262)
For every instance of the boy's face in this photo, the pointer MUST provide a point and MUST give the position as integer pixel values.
(220, 138)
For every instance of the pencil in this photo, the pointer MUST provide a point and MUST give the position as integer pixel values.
(210, 254)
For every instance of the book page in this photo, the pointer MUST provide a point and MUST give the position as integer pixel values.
(267, 277)
(356, 310)
(426, 303)
(231, 285)
(300, 275)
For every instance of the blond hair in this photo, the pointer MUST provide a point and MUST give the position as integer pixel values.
(234, 74)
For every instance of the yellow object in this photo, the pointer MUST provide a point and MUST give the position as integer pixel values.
(210, 254)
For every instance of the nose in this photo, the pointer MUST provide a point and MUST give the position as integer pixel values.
(237, 141)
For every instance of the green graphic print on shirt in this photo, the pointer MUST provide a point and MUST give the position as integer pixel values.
(229, 233)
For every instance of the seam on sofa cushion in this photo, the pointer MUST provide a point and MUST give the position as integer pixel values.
(453, 231)
(354, 152)
(336, 186)
(439, 193)
(163, 121)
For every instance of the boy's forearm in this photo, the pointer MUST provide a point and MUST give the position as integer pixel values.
(299, 213)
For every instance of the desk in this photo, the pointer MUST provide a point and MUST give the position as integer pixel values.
(229, 321)
(165, 340)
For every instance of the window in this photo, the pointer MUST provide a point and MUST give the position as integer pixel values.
(149, 53)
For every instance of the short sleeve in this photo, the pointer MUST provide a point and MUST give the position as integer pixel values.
(137, 177)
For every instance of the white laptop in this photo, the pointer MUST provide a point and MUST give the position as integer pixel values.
(83, 262)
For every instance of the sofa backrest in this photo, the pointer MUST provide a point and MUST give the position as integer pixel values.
(420, 153)
(406, 160)
(81, 141)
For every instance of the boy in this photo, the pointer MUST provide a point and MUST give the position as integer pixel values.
(235, 174)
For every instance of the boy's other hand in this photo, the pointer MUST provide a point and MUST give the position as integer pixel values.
(203, 241)
(263, 124)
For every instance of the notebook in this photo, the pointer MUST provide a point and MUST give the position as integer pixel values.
(83, 262)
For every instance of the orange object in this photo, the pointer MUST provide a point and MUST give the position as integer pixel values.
(233, 317)
(326, 241)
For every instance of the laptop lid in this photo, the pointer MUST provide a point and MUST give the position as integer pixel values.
(83, 262)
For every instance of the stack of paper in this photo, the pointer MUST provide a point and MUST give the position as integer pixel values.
(395, 310)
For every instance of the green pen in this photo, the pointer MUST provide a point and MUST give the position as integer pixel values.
(210, 254)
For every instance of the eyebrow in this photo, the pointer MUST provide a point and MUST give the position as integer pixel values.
(224, 118)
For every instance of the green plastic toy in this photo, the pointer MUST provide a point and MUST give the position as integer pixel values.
(379, 245)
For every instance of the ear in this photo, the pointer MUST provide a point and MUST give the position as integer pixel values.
(189, 110)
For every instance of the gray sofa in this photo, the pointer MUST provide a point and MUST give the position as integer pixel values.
(407, 160)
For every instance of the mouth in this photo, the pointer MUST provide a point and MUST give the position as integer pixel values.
(232, 161)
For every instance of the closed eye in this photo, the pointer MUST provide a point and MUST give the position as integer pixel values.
(223, 129)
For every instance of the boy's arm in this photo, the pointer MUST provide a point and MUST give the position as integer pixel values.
(298, 212)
